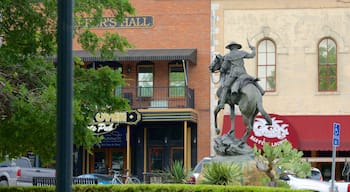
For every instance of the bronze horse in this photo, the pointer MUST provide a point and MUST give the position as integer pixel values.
(249, 101)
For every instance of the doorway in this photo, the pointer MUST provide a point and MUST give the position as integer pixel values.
(104, 160)
(161, 157)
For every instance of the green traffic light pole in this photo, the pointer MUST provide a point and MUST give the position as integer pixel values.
(64, 137)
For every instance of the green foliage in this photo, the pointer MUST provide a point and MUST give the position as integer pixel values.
(28, 79)
(221, 173)
(177, 172)
(274, 160)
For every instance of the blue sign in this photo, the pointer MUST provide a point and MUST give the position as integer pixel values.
(115, 138)
(336, 134)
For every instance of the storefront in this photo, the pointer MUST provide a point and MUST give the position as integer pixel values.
(142, 141)
(312, 134)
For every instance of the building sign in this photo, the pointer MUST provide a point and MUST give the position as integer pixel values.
(279, 131)
(106, 122)
(116, 138)
(110, 22)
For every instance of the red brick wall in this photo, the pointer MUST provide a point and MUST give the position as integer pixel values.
(178, 24)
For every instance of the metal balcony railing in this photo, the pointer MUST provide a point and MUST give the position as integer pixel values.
(158, 97)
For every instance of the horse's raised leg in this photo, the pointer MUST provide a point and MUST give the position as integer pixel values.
(263, 112)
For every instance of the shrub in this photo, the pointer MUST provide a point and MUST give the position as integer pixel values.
(221, 173)
(177, 172)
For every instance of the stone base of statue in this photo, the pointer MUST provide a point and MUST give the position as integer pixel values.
(227, 145)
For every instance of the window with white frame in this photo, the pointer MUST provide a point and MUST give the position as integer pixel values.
(267, 64)
(145, 80)
(176, 80)
(327, 65)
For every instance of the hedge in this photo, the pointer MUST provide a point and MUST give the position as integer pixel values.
(151, 188)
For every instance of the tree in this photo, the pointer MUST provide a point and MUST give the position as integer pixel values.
(274, 160)
(28, 78)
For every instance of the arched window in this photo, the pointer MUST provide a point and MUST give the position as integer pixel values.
(327, 65)
(267, 64)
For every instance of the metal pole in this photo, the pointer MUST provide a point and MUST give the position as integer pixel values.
(64, 143)
(333, 166)
(128, 152)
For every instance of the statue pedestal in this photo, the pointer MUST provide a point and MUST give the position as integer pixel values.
(227, 145)
(251, 175)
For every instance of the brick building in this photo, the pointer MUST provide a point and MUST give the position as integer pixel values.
(168, 89)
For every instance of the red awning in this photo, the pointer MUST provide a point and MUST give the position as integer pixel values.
(311, 132)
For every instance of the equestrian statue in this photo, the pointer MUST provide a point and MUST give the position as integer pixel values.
(241, 89)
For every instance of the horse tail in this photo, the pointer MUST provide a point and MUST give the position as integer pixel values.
(263, 112)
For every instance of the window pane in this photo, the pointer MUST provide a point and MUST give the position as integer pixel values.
(145, 91)
(332, 84)
(177, 91)
(270, 46)
(332, 70)
(262, 47)
(145, 84)
(322, 70)
(145, 81)
(330, 45)
(323, 52)
(270, 78)
(143, 69)
(157, 155)
(177, 76)
(145, 76)
(262, 72)
(176, 81)
(262, 58)
(323, 84)
(270, 58)
(332, 58)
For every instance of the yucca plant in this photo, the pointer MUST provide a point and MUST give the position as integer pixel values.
(222, 173)
(177, 172)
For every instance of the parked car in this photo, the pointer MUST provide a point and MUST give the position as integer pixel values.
(307, 184)
(198, 169)
(19, 172)
(101, 178)
(342, 186)
(316, 174)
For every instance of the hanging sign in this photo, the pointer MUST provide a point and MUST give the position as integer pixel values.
(106, 122)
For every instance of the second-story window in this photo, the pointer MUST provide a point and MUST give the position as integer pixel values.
(267, 65)
(145, 81)
(176, 80)
(327, 65)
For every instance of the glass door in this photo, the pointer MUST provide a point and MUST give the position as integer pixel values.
(99, 162)
(104, 160)
(117, 161)
(156, 158)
